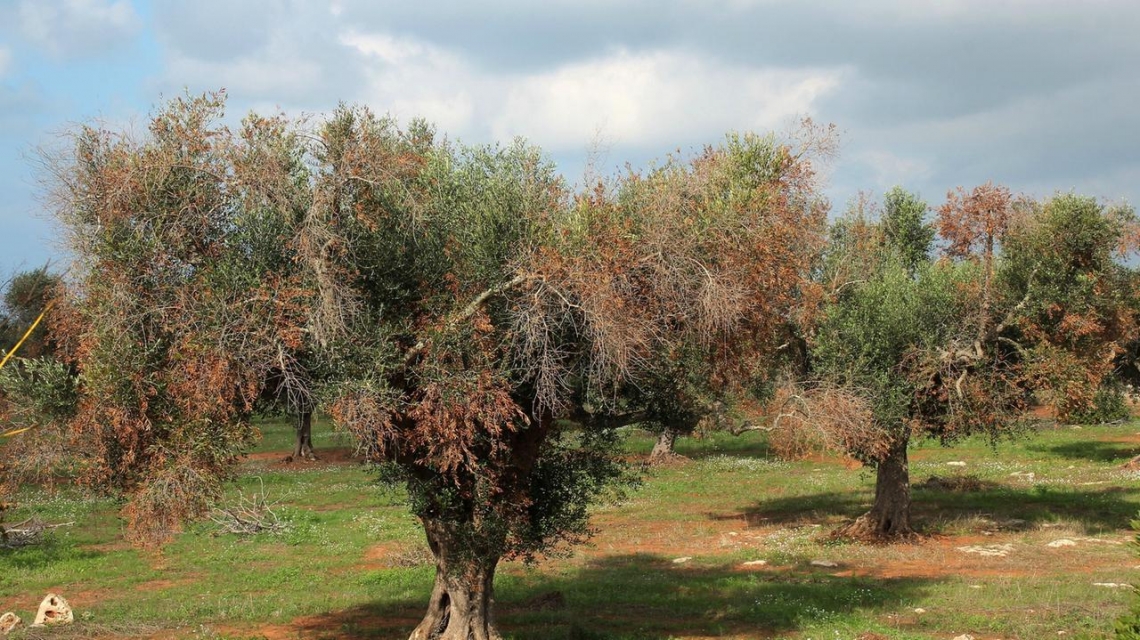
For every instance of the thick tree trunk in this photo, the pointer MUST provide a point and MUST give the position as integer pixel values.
(663, 449)
(889, 516)
(461, 600)
(303, 445)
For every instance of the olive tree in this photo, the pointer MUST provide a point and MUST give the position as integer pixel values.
(484, 303)
(705, 373)
(1028, 299)
(181, 299)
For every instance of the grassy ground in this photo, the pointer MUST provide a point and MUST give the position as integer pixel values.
(668, 563)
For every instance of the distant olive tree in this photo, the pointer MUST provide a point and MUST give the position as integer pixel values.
(1028, 299)
(25, 296)
(704, 375)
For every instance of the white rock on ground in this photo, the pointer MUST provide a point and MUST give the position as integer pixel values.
(754, 563)
(997, 550)
(955, 463)
(964, 636)
(8, 621)
(824, 563)
(1063, 542)
(53, 610)
(682, 560)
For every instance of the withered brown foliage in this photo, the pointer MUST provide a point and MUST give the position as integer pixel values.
(177, 310)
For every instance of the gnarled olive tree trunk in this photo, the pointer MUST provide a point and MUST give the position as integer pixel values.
(663, 449)
(460, 605)
(889, 516)
(303, 445)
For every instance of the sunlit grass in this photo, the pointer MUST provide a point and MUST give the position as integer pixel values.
(352, 564)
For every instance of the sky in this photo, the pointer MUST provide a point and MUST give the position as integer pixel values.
(1039, 95)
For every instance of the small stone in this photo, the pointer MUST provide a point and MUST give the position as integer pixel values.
(682, 560)
(754, 563)
(964, 636)
(824, 563)
(1112, 585)
(975, 586)
(1063, 542)
(955, 463)
(8, 621)
(53, 610)
(920, 610)
(733, 533)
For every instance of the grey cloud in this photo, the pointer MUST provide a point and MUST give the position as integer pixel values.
(75, 28)
(218, 30)
(277, 52)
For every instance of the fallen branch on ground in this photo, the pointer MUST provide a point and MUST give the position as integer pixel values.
(28, 532)
(251, 515)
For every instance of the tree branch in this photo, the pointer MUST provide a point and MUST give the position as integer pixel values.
(470, 310)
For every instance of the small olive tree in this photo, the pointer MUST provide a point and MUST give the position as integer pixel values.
(181, 300)
(1029, 298)
(702, 375)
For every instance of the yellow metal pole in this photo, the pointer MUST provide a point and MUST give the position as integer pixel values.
(8, 356)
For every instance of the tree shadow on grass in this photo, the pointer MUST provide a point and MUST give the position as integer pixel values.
(644, 596)
(42, 555)
(1096, 510)
(739, 447)
(1091, 450)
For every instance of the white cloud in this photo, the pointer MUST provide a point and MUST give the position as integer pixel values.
(659, 98)
(68, 28)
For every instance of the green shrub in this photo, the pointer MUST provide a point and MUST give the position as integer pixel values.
(1108, 405)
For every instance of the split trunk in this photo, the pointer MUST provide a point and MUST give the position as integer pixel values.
(303, 445)
(461, 599)
(663, 449)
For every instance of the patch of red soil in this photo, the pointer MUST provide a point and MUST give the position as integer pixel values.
(1126, 438)
(940, 557)
(716, 532)
(667, 461)
(333, 456)
(378, 556)
(1041, 412)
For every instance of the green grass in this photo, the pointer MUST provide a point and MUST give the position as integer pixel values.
(352, 562)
